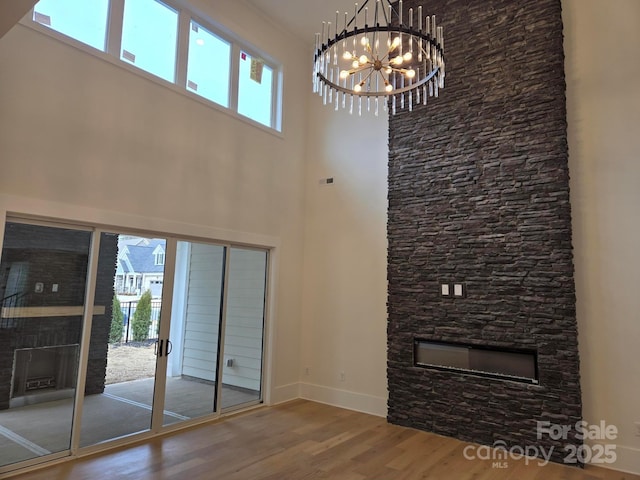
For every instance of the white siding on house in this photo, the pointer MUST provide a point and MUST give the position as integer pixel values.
(203, 311)
(245, 317)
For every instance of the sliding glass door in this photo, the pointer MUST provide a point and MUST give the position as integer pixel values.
(105, 335)
(192, 362)
(43, 277)
(244, 327)
(121, 366)
(214, 360)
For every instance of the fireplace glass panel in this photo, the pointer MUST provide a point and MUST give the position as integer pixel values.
(477, 360)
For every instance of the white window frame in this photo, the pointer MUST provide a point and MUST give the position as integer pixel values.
(113, 47)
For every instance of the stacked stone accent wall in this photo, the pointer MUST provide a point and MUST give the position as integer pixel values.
(479, 194)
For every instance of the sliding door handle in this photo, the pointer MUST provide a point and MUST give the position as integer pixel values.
(169, 347)
(158, 348)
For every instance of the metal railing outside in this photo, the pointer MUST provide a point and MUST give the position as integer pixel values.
(129, 309)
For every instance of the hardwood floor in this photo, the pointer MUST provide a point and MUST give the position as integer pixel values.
(302, 440)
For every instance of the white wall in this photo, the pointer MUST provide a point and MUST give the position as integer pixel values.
(345, 287)
(603, 100)
(83, 139)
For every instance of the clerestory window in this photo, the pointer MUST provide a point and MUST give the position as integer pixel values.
(148, 33)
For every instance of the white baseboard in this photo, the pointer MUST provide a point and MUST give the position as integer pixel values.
(284, 393)
(627, 460)
(359, 402)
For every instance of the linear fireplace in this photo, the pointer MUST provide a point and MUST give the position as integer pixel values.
(487, 361)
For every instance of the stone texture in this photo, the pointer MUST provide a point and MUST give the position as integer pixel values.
(479, 193)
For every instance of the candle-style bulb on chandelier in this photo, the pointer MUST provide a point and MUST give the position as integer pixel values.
(379, 57)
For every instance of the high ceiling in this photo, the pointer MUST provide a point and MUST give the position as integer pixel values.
(304, 17)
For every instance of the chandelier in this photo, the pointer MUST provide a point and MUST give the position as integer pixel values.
(379, 57)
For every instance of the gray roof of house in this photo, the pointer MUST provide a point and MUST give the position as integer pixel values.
(140, 258)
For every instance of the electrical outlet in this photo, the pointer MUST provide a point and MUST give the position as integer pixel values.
(637, 424)
(343, 377)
